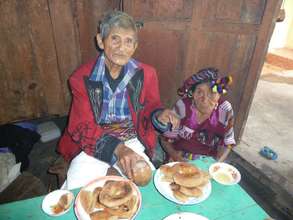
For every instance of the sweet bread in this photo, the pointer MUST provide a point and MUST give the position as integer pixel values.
(102, 215)
(180, 196)
(62, 204)
(191, 192)
(116, 199)
(125, 210)
(115, 193)
(186, 180)
(87, 200)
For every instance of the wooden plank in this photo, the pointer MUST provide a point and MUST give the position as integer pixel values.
(66, 40)
(87, 15)
(240, 61)
(86, 32)
(220, 26)
(40, 47)
(21, 95)
(231, 54)
(240, 11)
(227, 9)
(180, 25)
(162, 41)
(42, 39)
(265, 32)
(158, 10)
(215, 50)
(252, 11)
(167, 60)
(193, 35)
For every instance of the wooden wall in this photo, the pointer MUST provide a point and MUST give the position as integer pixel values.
(43, 41)
(181, 37)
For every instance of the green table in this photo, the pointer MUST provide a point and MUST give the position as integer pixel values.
(224, 203)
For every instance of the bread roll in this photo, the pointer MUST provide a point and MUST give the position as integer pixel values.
(115, 193)
(102, 215)
(87, 200)
(180, 196)
(125, 210)
(188, 180)
(191, 191)
(142, 173)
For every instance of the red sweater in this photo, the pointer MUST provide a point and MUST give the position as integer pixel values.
(83, 132)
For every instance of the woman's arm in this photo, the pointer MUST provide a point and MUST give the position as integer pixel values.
(227, 119)
(168, 147)
(168, 119)
(223, 153)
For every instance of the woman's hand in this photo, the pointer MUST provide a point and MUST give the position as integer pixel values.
(223, 153)
(127, 159)
(177, 156)
(174, 155)
(168, 116)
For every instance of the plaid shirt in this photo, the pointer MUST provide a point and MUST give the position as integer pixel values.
(115, 104)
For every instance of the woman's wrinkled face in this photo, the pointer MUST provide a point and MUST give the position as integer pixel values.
(205, 100)
(118, 46)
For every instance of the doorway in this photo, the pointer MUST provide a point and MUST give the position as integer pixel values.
(271, 117)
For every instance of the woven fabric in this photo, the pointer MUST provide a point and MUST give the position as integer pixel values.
(115, 104)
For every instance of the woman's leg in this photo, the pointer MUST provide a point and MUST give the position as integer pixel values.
(82, 170)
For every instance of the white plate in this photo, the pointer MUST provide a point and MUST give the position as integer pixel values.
(185, 216)
(99, 182)
(224, 173)
(52, 199)
(164, 188)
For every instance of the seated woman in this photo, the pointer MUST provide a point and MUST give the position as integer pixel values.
(206, 119)
(113, 98)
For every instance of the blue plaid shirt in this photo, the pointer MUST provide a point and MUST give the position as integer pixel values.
(115, 104)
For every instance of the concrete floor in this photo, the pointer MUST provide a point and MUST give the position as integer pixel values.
(270, 123)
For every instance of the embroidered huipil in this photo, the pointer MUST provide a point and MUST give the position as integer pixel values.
(202, 138)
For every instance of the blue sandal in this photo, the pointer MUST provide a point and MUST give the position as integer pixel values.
(268, 153)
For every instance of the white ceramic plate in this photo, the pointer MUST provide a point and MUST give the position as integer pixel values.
(224, 173)
(52, 199)
(185, 216)
(164, 188)
(99, 182)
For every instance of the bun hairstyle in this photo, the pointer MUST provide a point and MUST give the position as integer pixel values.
(204, 76)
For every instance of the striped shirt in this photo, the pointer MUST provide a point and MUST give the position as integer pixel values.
(115, 103)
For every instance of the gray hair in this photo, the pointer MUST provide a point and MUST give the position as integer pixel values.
(116, 19)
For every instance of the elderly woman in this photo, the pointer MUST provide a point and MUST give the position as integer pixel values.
(113, 98)
(206, 126)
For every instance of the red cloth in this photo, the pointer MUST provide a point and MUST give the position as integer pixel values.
(83, 132)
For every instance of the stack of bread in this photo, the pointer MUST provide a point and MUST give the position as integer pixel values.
(115, 200)
(186, 180)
